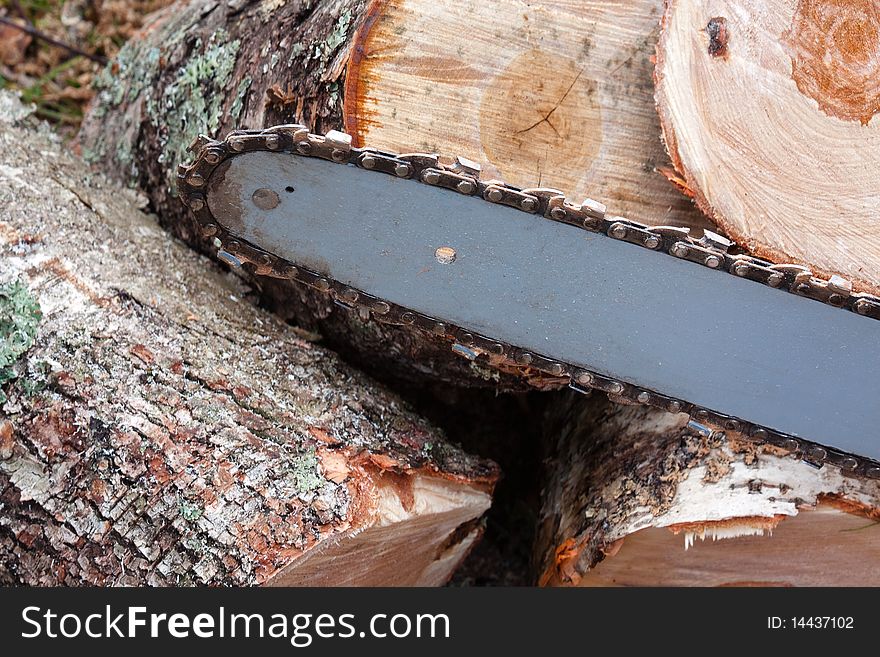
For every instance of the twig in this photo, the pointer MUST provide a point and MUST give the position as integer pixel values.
(55, 42)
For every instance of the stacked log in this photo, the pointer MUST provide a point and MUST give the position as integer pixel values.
(157, 428)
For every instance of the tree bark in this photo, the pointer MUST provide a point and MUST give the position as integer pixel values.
(769, 112)
(403, 75)
(632, 497)
(156, 428)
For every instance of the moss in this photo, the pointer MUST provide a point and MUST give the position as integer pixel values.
(19, 317)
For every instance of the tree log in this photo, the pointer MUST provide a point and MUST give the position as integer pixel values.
(769, 112)
(405, 75)
(634, 498)
(156, 428)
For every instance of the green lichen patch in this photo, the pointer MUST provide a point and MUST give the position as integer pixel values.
(238, 102)
(193, 103)
(19, 317)
(189, 511)
(306, 477)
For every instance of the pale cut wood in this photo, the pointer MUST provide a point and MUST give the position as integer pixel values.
(159, 429)
(769, 111)
(635, 498)
(555, 93)
(822, 546)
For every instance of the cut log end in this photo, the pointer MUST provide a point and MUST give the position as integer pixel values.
(769, 113)
(572, 111)
(633, 499)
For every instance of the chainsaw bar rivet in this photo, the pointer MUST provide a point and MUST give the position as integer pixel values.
(381, 308)
(196, 204)
(615, 388)
(466, 187)
(273, 142)
(495, 195)
(401, 170)
(713, 261)
(529, 204)
(213, 156)
(431, 177)
(679, 250)
(304, 147)
(322, 284)
(585, 378)
(368, 161)
(775, 280)
(558, 213)
(618, 231)
(741, 269)
(652, 241)
(338, 155)
(644, 397)
(408, 318)
(862, 307)
(445, 255)
(265, 199)
(674, 407)
(439, 328)
(818, 454)
(196, 180)
(524, 358)
(237, 145)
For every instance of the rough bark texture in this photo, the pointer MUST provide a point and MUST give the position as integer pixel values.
(770, 114)
(156, 428)
(206, 67)
(632, 495)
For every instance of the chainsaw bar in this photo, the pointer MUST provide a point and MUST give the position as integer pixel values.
(647, 314)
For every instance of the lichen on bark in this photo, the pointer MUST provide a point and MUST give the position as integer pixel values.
(19, 317)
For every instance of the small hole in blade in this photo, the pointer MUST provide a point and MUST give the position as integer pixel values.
(288, 189)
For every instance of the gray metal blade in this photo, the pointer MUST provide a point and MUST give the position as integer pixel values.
(690, 332)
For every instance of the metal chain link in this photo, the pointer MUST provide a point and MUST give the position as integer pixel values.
(463, 177)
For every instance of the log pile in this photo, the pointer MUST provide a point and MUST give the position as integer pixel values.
(768, 116)
(157, 428)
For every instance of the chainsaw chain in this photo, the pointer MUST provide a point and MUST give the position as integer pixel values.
(463, 177)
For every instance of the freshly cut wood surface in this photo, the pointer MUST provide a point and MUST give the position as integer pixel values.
(554, 93)
(635, 498)
(157, 428)
(769, 111)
